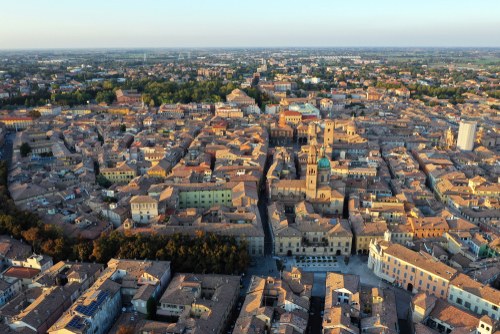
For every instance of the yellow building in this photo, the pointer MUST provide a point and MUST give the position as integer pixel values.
(121, 173)
(13, 123)
(160, 169)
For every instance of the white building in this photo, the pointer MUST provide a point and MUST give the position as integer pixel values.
(466, 136)
(50, 109)
(143, 208)
(475, 296)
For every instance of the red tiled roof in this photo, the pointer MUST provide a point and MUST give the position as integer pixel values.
(22, 272)
(17, 119)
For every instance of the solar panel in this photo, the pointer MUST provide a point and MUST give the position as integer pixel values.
(75, 323)
(90, 309)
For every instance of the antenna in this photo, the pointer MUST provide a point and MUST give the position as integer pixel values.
(144, 58)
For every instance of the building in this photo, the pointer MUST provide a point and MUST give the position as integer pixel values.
(410, 270)
(128, 96)
(9, 288)
(94, 312)
(282, 133)
(239, 98)
(276, 304)
(123, 172)
(430, 314)
(200, 302)
(475, 296)
(17, 123)
(140, 280)
(315, 189)
(310, 234)
(50, 110)
(143, 208)
(466, 136)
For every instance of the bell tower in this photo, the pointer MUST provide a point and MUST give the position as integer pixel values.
(312, 173)
(329, 131)
(282, 120)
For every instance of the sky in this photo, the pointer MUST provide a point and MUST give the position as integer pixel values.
(35, 24)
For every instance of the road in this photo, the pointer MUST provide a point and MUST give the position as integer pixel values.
(262, 205)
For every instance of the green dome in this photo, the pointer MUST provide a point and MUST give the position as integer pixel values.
(324, 163)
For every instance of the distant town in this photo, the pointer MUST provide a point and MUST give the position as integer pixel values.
(250, 191)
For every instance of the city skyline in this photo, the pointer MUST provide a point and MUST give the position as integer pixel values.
(193, 23)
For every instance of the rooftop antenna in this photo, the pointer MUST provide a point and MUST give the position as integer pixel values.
(144, 58)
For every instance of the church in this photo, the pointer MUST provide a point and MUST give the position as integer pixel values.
(315, 188)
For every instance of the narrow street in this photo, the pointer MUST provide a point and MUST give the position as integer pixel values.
(262, 205)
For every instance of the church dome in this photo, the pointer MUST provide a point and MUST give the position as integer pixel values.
(324, 163)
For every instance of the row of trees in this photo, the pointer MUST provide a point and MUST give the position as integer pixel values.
(204, 253)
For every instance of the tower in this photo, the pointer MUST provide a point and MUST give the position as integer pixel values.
(466, 136)
(324, 169)
(312, 173)
(329, 131)
(450, 138)
(282, 119)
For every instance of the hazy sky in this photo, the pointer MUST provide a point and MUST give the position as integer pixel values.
(195, 23)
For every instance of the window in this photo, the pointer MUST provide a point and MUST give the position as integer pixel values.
(467, 304)
(434, 288)
(421, 273)
(420, 282)
(451, 297)
(405, 275)
(444, 283)
(442, 292)
(428, 285)
(459, 301)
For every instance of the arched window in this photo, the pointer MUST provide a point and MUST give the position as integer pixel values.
(322, 178)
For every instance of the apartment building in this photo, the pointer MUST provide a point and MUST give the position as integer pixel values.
(94, 312)
(410, 270)
(201, 301)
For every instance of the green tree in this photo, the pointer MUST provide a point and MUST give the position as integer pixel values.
(25, 149)
(123, 128)
(102, 181)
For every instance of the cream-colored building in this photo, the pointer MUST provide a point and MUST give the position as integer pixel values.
(143, 208)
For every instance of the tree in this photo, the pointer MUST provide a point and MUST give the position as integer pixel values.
(27, 103)
(123, 128)
(151, 308)
(125, 330)
(102, 181)
(288, 92)
(34, 113)
(25, 149)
